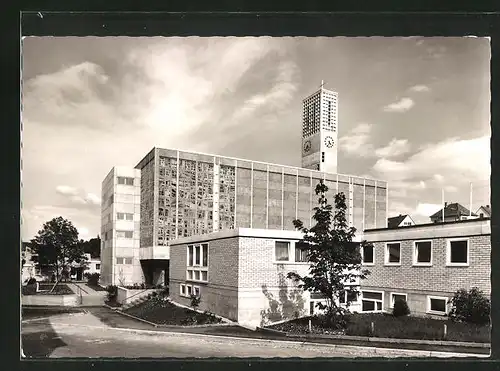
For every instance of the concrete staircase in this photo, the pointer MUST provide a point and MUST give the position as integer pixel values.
(138, 299)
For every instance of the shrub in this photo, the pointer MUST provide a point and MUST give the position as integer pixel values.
(112, 292)
(334, 318)
(31, 281)
(195, 301)
(400, 308)
(93, 279)
(472, 306)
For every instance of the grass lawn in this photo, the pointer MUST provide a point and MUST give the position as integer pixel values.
(96, 288)
(388, 326)
(164, 312)
(60, 289)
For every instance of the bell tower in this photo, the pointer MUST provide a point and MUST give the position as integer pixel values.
(319, 130)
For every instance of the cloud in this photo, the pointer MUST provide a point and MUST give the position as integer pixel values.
(395, 148)
(66, 190)
(424, 209)
(403, 105)
(420, 88)
(356, 142)
(76, 197)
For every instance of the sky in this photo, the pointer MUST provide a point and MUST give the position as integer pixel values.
(413, 111)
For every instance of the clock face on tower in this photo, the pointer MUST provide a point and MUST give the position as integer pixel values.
(329, 142)
(307, 146)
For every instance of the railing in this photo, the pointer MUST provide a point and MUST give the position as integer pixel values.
(138, 293)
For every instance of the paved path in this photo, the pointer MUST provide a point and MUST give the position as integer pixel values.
(85, 335)
(89, 296)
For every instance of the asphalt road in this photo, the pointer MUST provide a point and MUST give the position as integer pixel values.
(86, 335)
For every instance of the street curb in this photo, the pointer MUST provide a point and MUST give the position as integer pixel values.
(373, 350)
(156, 325)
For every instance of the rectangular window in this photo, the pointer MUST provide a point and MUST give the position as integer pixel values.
(301, 252)
(124, 234)
(423, 253)
(190, 256)
(183, 290)
(371, 301)
(125, 216)
(352, 296)
(119, 260)
(282, 250)
(98, 267)
(368, 254)
(397, 296)
(458, 252)
(437, 305)
(197, 255)
(189, 290)
(197, 263)
(128, 260)
(196, 290)
(393, 253)
(125, 180)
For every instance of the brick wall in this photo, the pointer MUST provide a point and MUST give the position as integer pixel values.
(438, 277)
(265, 294)
(219, 295)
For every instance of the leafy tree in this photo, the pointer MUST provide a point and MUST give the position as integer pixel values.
(472, 306)
(333, 256)
(92, 247)
(56, 246)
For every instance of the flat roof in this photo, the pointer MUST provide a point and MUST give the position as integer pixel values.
(238, 232)
(427, 225)
(151, 153)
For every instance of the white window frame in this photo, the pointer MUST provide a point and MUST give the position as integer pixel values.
(294, 252)
(195, 289)
(386, 253)
(449, 263)
(124, 234)
(363, 256)
(182, 287)
(429, 297)
(197, 267)
(124, 180)
(415, 263)
(124, 216)
(391, 303)
(361, 298)
(289, 252)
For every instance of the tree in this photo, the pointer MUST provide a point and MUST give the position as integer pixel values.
(333, 256)
(56, 246)
(92, 247)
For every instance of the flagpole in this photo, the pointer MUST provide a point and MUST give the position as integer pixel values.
(470, 201)
(442, 202)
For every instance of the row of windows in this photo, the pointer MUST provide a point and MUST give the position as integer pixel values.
(125, 180)
(188, 290)
(123, 261)
(283, 252)
(372, 301)
(197, 262)
(457, 253)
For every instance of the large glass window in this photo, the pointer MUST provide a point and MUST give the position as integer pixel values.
(368, 254)
(282, 250)
(197, 264)
(301, 252)
(125, 180)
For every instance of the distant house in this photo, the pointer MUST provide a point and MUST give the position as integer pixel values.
(452, 212)
(400, 221)
(484, 212)
(29, 268)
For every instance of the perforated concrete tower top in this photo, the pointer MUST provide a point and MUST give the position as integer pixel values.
(319, 130)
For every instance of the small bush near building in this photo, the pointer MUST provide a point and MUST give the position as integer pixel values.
(400, 308)
(195, 301)
(472, 306)
(112, 292)
(93, 279)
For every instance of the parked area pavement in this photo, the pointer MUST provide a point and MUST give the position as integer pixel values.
(100, 332)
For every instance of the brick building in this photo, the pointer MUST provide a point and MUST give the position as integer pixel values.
(172, 194)
(426, 264)
(240, 274)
